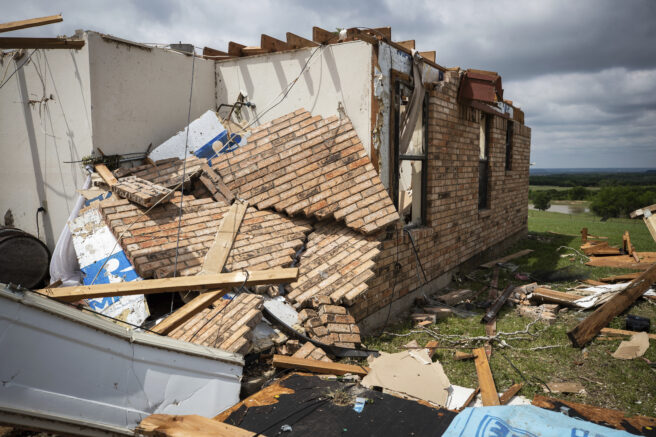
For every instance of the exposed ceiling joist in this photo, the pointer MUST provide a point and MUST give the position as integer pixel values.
(40, 43)
(32, 22)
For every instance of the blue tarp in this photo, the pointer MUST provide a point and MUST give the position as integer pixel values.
(523, 421)
(208, 152)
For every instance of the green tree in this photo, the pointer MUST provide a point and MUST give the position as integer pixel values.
(542, 200)
(578, 193)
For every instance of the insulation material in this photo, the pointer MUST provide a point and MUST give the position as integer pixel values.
(203, 133)
(411, 373)
(599, 294)
(523, 421)
(89, 371)
(103, 261)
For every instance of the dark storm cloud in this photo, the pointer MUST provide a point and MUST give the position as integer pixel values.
(583, 71)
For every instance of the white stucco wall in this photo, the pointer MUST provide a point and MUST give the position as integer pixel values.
(336, 74)
(141, 96)
(36, 138)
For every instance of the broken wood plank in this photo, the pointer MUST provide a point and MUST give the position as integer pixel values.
(592, 325)
(494, 309)
(593, 282)
(470, 399)
(383, 32)
(317, 366)
(431, 346)
(234, 49)
(650, 222)
(624, 332)
(510, 393)
(601, 416)
(166, 425)
(40, 43)
(455, 297)
(519, 254)
(32, 22)
(298, 42)
(423, 317)
(542, 294)
(409, 44)
(252, 51)
(215, 259)
(626, 242)
(210, 53)
(459, 355)
(489, 393)
(601, 249)
(181, 283)
(621, 262)
(428, 55)
(105, 174)
(641, 212)
(273, 44)
(621, 278)
(322, 36)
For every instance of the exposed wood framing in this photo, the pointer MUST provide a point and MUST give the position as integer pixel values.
(489, 393)
(106, 174)
(317, 366)
(322, 36)
(385, 32)
(234, 49)
(214, 261)
(409, 44)
(32, 22)
(428, 55)
(182, 283)
(210, 53)
(590, 327)
(298, 42)
(41, 43)
(166, 425)
(273, 44)
(640, 212)
(252, 51)
(650, 222)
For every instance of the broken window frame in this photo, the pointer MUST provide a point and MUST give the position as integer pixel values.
(398, 78)
(510, 137)
(484, 164)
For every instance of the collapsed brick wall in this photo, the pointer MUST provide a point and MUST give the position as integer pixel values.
(455, 229)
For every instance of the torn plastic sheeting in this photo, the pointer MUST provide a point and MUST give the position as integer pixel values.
(103, 261)
(411, 373)
(82, 368)
(203, 132)
(523, 421)
(282, 310)
(602, 293)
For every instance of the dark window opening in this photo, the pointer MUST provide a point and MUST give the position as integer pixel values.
(409, 167)
(509, 144)
(483, 162)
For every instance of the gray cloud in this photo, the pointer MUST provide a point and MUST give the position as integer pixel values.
(584, 72)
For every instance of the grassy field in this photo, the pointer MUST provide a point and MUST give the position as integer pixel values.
(553, 187)
(609, 382)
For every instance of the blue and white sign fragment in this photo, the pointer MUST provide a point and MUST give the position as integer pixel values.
(203, 133)
(523, 421)
(103, 261)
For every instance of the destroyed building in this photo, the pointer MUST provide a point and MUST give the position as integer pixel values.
(364, 164)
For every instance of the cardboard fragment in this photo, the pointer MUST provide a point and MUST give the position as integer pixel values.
(566, 387)
(634, 348)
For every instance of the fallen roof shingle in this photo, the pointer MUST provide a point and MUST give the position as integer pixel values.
(308, 165)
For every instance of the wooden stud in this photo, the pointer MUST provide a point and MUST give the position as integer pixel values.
(409, 44)
(641, 212)
(621, 278)
(428, 55)
(547, 295)
(510, 393)
(234, 49)
(584, 235)
(210, 53)
(273, 44)
(590, 327)
(489, 393)
(322, 36)
(187, 311)
(166, 425)
(252, 51)
(181, 283)
(623, 332)
(106, 174)
(385, 32)
(650, 222)
(298, 42)
(41, 43)
(32, 22)
(317, 366)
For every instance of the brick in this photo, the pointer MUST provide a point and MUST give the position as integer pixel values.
(331, 309)
(338, 328)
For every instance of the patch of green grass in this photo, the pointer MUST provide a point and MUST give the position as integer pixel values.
(553, 187)
(628, 385)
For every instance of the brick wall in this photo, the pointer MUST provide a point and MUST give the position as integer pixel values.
(455, 229)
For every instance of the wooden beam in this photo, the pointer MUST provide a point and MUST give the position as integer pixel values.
(409, 44)
(512, 256)
(273, 44)
(621, 278)
(234, 49)
(640, 212)
(181, 283)
(489, 393)
(106, 174)
(385, 32)
(298, 42)
(542, 294)
(317, 366)
(166, 425)
(322, 36)
(215, 259)
(650, 222)
(510, 393)
(590, 327)
(428, 55)
(622, 261)
(41, 43)
(210, 53)
(252, 51)
(32, 22)
(623, 332)
(626, 241)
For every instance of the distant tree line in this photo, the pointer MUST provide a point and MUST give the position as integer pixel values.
(594, 179)
(608, 201)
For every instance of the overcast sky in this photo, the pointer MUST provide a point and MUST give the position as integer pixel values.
(583, 71)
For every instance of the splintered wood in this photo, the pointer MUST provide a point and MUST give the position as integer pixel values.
(489, 393)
